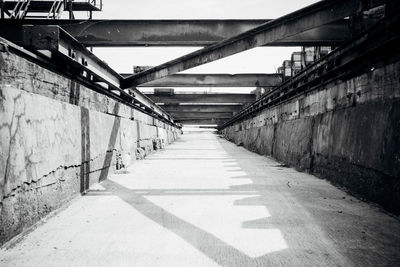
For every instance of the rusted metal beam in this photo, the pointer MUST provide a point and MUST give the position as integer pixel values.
(310, 17)
(202, 108)
(107, 33)
(216, 80)
(203, 98)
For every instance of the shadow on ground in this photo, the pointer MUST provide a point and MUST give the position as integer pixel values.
(320, 224)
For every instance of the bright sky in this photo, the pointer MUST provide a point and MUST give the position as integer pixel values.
(258, 60)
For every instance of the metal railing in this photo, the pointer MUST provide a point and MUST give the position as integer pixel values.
(20, 9)
(55, 10)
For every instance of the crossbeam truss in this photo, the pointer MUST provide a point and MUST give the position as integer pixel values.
(326, 22)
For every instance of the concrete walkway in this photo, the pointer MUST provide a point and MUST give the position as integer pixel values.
(204, 201)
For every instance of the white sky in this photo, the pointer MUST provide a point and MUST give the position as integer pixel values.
(258, 60)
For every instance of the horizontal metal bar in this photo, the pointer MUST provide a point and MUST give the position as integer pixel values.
(201, 115)
(216, 80)
(181, 32)
(202, 98)
(202, 121)
(313, 16)
(202, 108)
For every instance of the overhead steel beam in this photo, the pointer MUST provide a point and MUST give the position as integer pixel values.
(203, 98)
(202, 108)
(310, 17)
(202, 121)
(201, 115)
(192, 32)
(331, 34)
(216, 80)
(107, 33)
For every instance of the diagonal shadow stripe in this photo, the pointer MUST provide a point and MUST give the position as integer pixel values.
(213, 247)
(111, 144)
(85, 150)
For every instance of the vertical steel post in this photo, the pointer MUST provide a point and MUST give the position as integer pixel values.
(71, 14)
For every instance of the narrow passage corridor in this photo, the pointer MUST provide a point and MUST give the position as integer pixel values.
(204, 201)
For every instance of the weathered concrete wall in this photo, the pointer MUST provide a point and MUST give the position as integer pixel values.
(58, 137)
(348, 132)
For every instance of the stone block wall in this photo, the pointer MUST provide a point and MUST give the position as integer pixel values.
(347, 132)
(57, 138)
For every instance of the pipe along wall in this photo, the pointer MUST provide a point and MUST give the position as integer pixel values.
(57, 138)
(346, 132)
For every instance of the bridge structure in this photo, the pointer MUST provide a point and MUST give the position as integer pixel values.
(68, 41)
(69, 122)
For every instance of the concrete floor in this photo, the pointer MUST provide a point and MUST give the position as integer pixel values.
(204, 201)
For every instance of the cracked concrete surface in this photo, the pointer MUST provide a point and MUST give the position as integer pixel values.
(49, 147)
(57, 138)
(204, 201)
